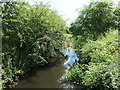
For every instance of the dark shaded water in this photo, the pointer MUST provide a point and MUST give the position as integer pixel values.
(47, 78)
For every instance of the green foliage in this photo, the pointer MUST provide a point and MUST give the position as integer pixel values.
(75, 74)
(31, 36)
(93, 21)
(95, 34)
(102, 75)
(103, 63)
(101, 59)
(102, 49)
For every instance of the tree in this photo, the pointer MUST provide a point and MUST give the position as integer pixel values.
(94, 20)
(32, 35)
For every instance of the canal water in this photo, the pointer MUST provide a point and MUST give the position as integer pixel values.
(47, 78)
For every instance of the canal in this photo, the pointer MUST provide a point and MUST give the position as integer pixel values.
(50, 77)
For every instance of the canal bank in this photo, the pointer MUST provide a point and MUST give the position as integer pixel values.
(51, 76)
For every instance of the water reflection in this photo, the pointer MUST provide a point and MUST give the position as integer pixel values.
(47, 78)
(51, 77)
(72, 57)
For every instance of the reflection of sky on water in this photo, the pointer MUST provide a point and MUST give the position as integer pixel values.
(72, 57)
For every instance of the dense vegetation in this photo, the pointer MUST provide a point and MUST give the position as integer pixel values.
(93, 21)
(95, 33)
(32, 35)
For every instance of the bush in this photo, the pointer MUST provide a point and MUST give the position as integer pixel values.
(95, 33)
(102, 76)
(101, 60)
(104, 61)
(75, 74)
(31, 36)
(93, 21)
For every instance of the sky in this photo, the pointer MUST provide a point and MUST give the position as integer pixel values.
(67, 8)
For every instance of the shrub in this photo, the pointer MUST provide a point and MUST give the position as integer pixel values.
(32, 34)
(101, 59)
(75, 74)
(102, 76)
